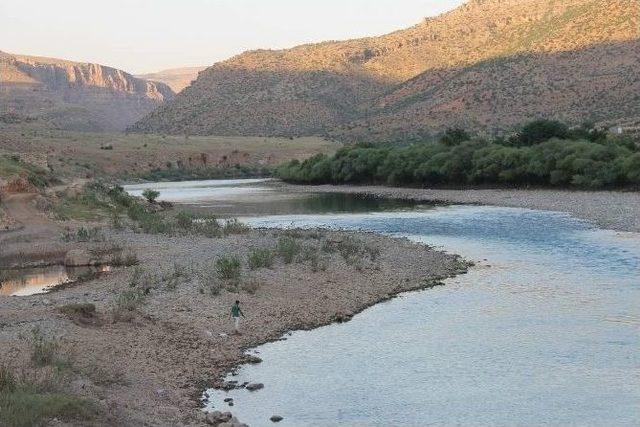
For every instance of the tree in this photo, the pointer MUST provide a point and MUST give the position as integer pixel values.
(539, 131)
(150, 195)
(454, 136)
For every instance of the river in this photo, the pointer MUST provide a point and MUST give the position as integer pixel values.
(544, 330)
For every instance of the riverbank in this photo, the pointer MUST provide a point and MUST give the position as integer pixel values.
(149, 365)
(613, 210)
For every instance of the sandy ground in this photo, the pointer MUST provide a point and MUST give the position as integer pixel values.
(153, 369)
(608, 209)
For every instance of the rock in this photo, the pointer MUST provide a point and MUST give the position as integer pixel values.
(230, 403)
(276, 418)
(254, 386)
(218, 418)
(228, 399)
(253, 359)
(77, 258)
(213, 418)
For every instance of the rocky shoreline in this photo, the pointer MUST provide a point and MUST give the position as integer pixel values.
(152, 368)
(615, 210)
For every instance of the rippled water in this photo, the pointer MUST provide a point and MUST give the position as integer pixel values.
(545, 330)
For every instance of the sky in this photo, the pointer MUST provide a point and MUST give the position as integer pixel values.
(141, 36)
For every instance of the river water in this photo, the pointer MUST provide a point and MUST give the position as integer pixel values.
(544, 330)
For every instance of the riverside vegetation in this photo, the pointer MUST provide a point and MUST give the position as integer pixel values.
(541, 153)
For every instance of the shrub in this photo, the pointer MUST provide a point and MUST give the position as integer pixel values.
(454, 136)
(123, 258)
(229, 268)
(150, 195)
(127, 303)
(79, 312)
(83, 234)
(24, 407)
(7, 380)
(233, 226)
(260, 258)
(288, 248)
(43, 350)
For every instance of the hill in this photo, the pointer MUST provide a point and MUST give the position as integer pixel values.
(409, 82)
(73, 95)
(176, 78)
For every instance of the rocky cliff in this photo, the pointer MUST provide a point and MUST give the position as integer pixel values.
(73, 95)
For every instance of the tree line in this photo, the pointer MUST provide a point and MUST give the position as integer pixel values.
(541, 153)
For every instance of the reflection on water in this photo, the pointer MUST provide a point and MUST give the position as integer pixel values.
(39, 280)
(250, 197)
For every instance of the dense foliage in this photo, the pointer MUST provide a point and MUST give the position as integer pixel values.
(543, 153)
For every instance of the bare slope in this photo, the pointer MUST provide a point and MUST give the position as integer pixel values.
(176, 78)
(351, 84)
(73, 95)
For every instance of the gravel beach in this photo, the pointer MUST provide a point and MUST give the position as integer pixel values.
(614, 210)
(152, 369)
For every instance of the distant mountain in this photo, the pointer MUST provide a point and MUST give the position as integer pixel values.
(488, 65)
(176, 78)
(73, 95)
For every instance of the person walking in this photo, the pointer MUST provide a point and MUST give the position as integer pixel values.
(236, 312)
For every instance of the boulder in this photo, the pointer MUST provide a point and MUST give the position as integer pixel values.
(276, 418)
(254, 386)
(77, 258)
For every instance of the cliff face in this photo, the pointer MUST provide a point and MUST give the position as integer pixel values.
(344, 88)
(76, 96)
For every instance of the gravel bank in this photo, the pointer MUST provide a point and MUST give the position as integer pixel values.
(613, 210)
(153, 369)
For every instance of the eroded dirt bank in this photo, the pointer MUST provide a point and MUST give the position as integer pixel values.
(150, 367)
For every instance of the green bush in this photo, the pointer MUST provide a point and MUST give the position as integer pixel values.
(150, 195)
(288, 248)
(542, 153)
(43, 350)
(26, 408)
(229, 268)
(260, 258)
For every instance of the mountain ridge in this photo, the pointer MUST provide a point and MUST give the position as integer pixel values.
(75, 95)
(316, 88)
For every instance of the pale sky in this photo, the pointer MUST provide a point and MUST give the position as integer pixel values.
(149, 35)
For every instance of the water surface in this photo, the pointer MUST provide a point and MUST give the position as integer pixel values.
(545, 330)
(40, 280)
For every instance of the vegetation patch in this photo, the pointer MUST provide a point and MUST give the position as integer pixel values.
(288, 248)
(80, 313)
(260, 258)
(13, 166)
(542, 153)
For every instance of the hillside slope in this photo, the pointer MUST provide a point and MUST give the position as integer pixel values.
(348, 85)
(176, 78)
(74, 96)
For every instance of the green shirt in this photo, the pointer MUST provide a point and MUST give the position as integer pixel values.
(235, 310)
